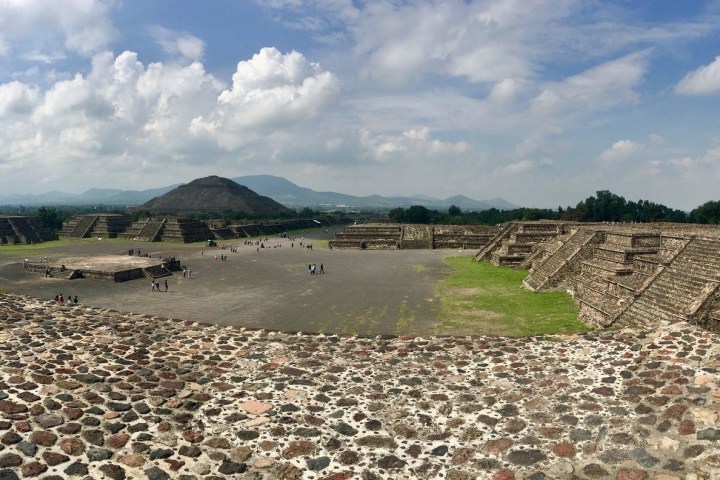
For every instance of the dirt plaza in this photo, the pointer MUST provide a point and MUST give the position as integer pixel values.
(383, 292)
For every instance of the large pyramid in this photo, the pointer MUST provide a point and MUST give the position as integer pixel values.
(214, 195)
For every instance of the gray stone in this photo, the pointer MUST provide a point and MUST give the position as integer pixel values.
(27, 448)
(526, 457)
(712, 434)
(49, 420)
(229, 468)
(345, 429)
(643, 458)
(155, 473)
(98, 454)
(317, 464)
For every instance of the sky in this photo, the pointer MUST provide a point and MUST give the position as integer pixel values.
(539, 102)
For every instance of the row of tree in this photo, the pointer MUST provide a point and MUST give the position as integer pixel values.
(603, 207)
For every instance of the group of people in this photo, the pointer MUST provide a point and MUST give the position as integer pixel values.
(70, 300)
(313, 268)
(223, 257)
(156, 285)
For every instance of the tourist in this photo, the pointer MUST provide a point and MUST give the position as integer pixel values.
(60, 298)
(69, 300)
(75, 301)
(322, 268)
(47, 272)
(25, 263)
(152, 285)
(166, 285)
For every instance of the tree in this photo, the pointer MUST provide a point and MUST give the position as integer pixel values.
(417, 214)
(50, 218)
(708, 212)
(397, 214)
(454, 211)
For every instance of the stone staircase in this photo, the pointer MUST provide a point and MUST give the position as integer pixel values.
(496, 242)
(611, 278)
(24, 230)
(680, 289)
(223, 233)
(156, 271)
(368, 236)
(561, 263)
(82, 229)
(151, 230)
(522, 241)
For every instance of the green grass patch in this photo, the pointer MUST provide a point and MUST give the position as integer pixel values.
(35, 247)
(480, 298)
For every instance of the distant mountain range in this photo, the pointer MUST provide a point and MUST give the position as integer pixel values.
(277, 188)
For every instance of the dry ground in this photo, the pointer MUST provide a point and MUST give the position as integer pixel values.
(362, 292)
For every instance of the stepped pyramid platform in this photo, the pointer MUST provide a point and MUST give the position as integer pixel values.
(168, 229)
(520, 244)
(105, 225)
(391, 236)
(113, 268)
(631, 274)
(23, 230)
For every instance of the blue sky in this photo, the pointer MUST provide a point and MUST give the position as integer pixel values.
(541, 103)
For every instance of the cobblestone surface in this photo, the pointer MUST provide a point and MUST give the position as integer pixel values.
(93, 393)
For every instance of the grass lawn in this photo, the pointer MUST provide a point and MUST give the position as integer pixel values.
(480, 298)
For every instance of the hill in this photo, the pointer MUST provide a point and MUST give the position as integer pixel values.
(279, 189)
(214, 195)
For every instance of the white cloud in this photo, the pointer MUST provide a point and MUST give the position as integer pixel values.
(505, 90)
(527, 165)
(47, 58)
(178, 44)
(268, 91)
(17, 98)
(411, 145)
(656, 139)
(703, 81)
(621, 150)
(600, 87)
(81, 26)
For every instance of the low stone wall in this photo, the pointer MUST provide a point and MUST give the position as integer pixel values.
(94, 393)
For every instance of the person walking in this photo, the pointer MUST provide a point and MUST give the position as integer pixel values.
(166, 285)
(322, 268)
(152, 285)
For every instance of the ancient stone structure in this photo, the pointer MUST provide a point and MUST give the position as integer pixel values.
(94, 393)
(23, 230)
(105, 225)
(621, 274)
(385, 236)
(214, 195)
(276, 227)
(112, 268)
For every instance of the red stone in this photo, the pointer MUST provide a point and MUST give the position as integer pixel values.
(675, 411)
(339, 476)
(497, 446)
(33, 469)
(193, 436)
(175, 465)
(118, 441)
(504, 475)
(564, 449)
(23, 427)
(632, 474)
(687, 427)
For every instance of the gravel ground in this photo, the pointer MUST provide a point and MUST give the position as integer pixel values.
(361, 292)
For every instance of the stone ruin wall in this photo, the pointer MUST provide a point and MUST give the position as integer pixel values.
(628, 268)
(413, 236)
